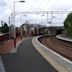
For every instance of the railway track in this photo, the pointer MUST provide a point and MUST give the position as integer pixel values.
(62, 47)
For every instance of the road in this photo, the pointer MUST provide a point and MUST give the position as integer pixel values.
(27, 59)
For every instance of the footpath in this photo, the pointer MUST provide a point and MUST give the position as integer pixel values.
(6, 46)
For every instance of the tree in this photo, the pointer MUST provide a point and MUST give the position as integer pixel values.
(68, 24)
(0, 29)
(5, 28)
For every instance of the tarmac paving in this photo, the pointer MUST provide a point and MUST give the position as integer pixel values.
(26, 59)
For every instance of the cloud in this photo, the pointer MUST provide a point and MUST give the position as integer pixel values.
(2, 3)
(6, 8)
(61, 5)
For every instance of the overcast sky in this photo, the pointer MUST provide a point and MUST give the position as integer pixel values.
(6, 8)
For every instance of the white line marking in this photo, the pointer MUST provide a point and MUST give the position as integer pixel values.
(2, 69)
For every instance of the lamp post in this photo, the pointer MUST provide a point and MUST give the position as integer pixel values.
(14, 23)
(9, 27)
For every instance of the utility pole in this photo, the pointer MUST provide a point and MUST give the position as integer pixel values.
(2, 25)
(47, 16)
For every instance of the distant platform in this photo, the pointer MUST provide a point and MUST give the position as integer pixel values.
(64, 38)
